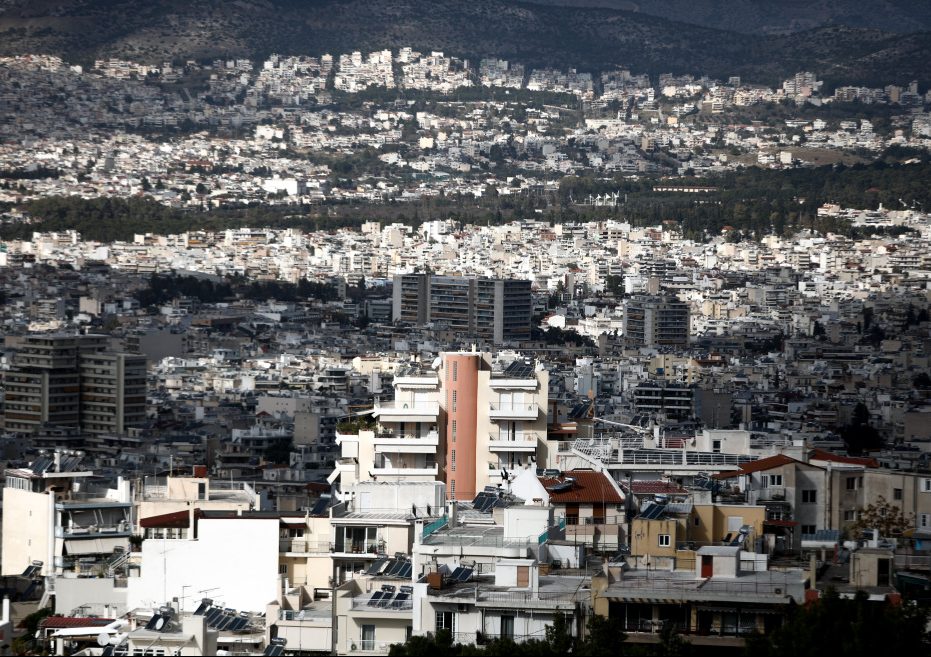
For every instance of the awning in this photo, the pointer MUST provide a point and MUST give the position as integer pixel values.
(95, 546)
(294, 521)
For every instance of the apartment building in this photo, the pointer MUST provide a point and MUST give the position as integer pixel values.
(467, 421)
(72, 381)
(495, 309)
(655, 321)
(722, 599)
(56, 515)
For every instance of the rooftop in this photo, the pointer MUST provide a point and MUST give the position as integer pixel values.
(587, 487)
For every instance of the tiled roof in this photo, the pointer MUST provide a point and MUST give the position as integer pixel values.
(67, 622)
(760, 465)
(590, 488)
(819, 454)
(656, 488)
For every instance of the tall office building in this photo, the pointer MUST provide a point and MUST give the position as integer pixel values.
(72, 381)
(656, 321)
(496, 309)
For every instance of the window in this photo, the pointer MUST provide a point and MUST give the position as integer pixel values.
(282, 569)
(771, 480)
(452, 460)
(572, 514)
(897, 494)
(368, 637)
(455, 371)
(664, 540)
(507, 627)
(716, 446)
(697, 521)
(445, 620)
(924, 520)
(454, 431)
(926, 485)
(808, 529)
(454, 401)
(809, 496)
(851, 483)
(452, 489)
(850, 516)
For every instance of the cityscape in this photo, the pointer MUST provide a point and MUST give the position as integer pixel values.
(404, 351)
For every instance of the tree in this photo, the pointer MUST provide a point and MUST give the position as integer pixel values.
(887, 518)
(835, 625)
(859, 436)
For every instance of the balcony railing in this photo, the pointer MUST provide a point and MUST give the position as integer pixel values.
(385, 440)
(499, 411)
(304, 546)
(386, 411)
(358, 547)
(526, 442)
(364, 603)
(417, 471)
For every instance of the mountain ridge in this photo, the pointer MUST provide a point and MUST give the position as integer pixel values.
(534, 34)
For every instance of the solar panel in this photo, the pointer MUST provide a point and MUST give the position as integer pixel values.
(652, 512)
(465, 575)
(107, 651)
(455, 574)
(213, 615)
(225, 622)
(375, 568)
(238, 624)
(519, 370)
(153, 622)
(399, 600)
(406, 570)
(378, 595)
(31, 571)
(204, 606)
(386, 600)
(274, 651)
(321, 505)
(479, 498)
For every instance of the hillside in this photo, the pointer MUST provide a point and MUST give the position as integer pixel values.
(776, 17)
(589, 39)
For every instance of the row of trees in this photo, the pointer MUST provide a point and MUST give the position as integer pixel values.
(754, 202)
(163, 288)
(831, 625)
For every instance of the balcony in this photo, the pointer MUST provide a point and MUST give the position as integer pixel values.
(395, 442)
(407, 411)
(526, 442)
(505, 383)
(421, 471)
(369, 548)
(771, 493)
(498, 411)
(303, 546)
(367, 605)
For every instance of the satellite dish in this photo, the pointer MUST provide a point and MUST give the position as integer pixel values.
(160, 623)
(103, 639)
